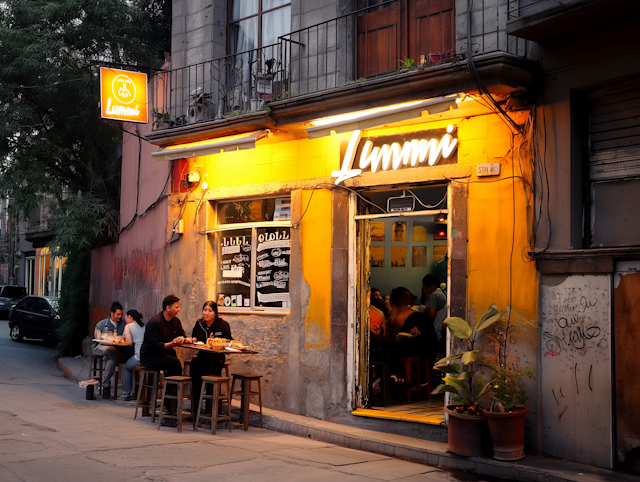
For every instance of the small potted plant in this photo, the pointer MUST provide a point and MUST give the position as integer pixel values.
(467, 424)
(160, 119)
(508, 411)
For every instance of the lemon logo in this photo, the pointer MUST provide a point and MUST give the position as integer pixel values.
(123, 89)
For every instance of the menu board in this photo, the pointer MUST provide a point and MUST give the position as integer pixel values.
(273, 253)
(234, 268)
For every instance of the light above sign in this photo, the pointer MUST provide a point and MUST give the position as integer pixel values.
(412, 153)
(123, 95)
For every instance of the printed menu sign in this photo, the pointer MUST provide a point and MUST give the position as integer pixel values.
(234, 258)
(273, 253)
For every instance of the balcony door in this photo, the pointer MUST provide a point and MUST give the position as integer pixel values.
(391, 33)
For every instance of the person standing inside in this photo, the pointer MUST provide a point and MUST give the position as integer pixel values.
(162, 334)
(134, 335)
(210, 325)
(110, 354)
(435, 305)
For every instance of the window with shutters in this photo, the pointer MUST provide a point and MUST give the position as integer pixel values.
(391, 32)
(610, 134)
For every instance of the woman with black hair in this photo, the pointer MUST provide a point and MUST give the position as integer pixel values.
(210, 325)
(134, 335)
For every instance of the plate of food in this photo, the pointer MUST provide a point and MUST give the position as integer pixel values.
(199, 343)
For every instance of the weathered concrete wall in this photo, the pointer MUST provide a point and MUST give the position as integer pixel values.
(130, 271)
(575, 351)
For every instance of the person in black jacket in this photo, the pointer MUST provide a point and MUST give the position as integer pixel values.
(163, 332)
(210, 325)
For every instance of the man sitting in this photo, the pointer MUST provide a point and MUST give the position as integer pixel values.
(110, 354)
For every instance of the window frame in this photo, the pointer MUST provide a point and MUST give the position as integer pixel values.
(254, 226)
(259, 14)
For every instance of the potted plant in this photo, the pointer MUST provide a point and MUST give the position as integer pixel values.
(160, 119)
(508, 412)
(467, 424)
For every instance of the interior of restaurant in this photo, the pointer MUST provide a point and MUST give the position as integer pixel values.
(402, 250)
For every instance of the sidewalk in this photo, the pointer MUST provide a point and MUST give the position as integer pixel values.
(537, 469)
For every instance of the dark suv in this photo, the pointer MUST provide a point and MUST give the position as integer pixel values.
(34, 317)
(9, 296)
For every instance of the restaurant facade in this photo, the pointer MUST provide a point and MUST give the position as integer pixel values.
(285, 208)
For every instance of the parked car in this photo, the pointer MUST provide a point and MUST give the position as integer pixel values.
(9, 296)
(34, 317)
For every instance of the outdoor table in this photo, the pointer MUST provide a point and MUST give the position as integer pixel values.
(111, 343)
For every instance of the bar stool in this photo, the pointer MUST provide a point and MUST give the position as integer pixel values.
(181, 384)
(96, 369)
(245, 395)
(383, 379)
(409, 363)
(148, 387)
(217, 396)
(428, 366)
(226, 368)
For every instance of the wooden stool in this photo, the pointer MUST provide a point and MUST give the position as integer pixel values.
(226, 368)
(245, 395)
(428, 366)
(181, 383)
(96, 368)
(383, 379)
(217, 396)
(408, 365)
(148, 392)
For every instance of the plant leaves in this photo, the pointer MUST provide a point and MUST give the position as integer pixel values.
(458, 327)
(444, 361)
(452, 368)
(488, 318)
(459, 384)
(444, 388)
(469, 357)
(483, 389)
(466, 375)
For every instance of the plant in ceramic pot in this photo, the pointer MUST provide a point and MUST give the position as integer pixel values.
(508, 411)
(467, 424)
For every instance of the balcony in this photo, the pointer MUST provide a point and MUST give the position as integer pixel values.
(540, 20)
(370, 56)
(37, 230)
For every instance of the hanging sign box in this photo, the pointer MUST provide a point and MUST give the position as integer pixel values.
(123, 95)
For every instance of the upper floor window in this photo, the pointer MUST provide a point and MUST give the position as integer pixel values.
(257, 23)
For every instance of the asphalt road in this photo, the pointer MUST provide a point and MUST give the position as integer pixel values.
(49, 432)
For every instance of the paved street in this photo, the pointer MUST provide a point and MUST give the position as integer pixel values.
(48, 431)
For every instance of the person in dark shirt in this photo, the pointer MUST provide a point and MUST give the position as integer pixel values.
(210, 325)
(163, 332)
(407, 319)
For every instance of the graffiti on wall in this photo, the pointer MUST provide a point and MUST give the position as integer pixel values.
(573, 329)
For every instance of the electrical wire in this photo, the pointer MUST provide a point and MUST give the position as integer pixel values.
(424, 205)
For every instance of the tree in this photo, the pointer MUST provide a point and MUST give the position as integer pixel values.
(54, 148)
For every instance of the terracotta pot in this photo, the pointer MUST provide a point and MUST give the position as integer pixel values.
(467, 433)
(507, 433)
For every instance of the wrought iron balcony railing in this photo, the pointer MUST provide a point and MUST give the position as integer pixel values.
(371, 42)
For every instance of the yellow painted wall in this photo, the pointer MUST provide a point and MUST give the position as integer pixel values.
(315, 232)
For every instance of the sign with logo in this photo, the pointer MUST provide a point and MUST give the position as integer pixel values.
(383, 153)
(123, 95)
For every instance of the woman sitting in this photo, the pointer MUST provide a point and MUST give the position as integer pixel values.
(210, 325)
(134, 335)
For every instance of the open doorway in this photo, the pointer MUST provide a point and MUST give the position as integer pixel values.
(402, 237)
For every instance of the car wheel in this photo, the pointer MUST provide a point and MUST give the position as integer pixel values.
(16, 335)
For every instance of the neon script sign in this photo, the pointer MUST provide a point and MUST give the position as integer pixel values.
(412, 153)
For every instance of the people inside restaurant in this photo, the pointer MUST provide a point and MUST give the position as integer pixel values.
(134, 336)
(434, 305)
(210, 325)
(111, 355)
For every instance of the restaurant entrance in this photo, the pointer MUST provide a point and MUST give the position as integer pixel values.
(402, 240)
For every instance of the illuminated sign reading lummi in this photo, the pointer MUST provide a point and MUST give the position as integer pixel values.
(412, 153)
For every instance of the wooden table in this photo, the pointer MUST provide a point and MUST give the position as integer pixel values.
(110, 343)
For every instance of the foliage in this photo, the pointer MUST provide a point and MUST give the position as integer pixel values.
(73, 303)
(160, 118)
(507, 387)
(55, 151)
(408, 64)
(461, 379)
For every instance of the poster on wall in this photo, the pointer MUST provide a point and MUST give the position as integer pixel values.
(273, 253)
(234, 268)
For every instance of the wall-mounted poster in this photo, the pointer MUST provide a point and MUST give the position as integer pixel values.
(419, 257)
(376, 256)
(273, 253)
(234, 268)
(398, 256)
(377, 231)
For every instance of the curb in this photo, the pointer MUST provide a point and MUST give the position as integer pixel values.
(435, 454)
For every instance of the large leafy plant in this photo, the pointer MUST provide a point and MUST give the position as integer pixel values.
(459, 368)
